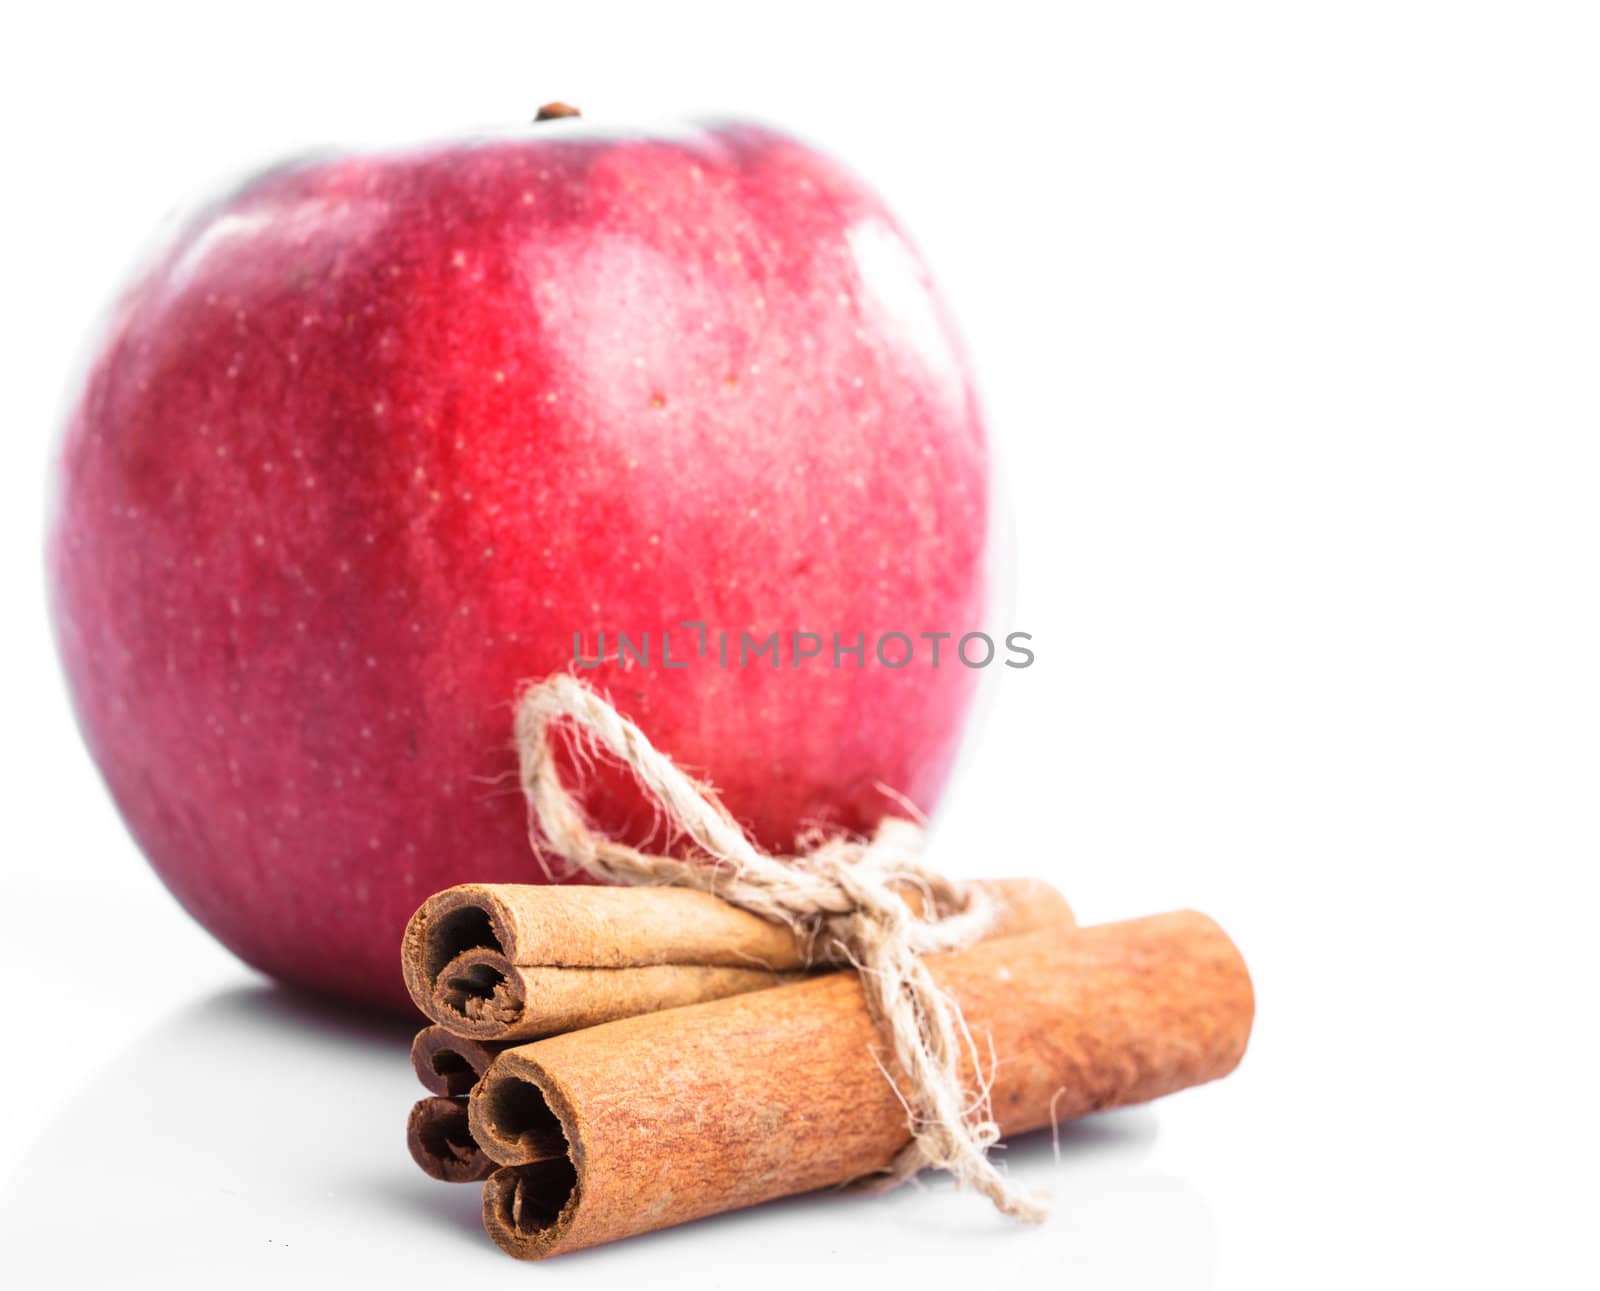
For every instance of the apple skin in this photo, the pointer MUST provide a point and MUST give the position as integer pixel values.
(367, 444)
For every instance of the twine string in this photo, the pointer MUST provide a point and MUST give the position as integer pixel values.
(841, 895)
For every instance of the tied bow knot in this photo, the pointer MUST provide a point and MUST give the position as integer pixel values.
(844, 897)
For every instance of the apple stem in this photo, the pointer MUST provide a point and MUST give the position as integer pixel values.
(555, 111)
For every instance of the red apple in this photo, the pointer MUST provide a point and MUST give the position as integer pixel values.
(377, 435)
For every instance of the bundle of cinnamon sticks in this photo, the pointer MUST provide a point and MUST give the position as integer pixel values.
(610, 1061)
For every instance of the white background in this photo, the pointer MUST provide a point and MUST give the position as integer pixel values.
(1287, 318)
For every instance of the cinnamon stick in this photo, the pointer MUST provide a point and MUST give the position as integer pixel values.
(449, 1065)
(482, 993)
(440, 1141)
(508, 962)
(669, 1117)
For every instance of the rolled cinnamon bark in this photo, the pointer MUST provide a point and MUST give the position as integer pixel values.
(441, 1143)
(482, 993)
(507, 962)
(673, 1116)
(449, 1065)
